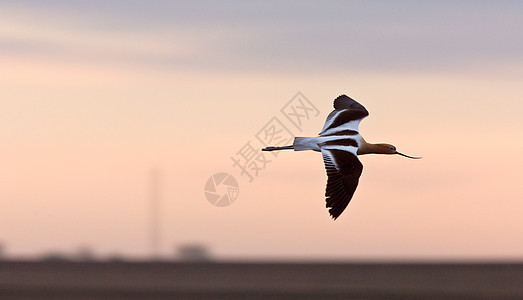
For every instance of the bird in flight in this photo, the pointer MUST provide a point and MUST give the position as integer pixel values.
(340, 143)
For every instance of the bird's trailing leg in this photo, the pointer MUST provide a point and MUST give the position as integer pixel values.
(277, 148)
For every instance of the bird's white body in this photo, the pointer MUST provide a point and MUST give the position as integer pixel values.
(313, 143)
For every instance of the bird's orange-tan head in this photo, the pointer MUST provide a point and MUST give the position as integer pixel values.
(390, 149)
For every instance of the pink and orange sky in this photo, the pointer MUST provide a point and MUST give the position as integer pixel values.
(96, 94)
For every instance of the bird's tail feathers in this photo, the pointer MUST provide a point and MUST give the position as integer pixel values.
(306, 143)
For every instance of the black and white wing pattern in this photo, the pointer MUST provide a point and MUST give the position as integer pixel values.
(340, 150)
(343, 172)
(346, 116)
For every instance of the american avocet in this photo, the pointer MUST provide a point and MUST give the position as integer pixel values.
(340, 142)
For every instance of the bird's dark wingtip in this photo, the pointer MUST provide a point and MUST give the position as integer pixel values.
(334, 215)
(342, 96)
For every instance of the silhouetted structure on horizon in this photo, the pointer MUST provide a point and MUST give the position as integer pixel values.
(155, 198)
(85, 254)
(193, 253)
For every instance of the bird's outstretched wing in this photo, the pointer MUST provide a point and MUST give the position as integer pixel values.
(343, 171)
(347, 115)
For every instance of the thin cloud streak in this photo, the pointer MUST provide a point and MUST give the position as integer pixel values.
(376, 36)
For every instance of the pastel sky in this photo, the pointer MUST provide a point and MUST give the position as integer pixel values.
(94, 95)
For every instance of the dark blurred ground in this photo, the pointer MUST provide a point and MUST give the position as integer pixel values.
(124, 280)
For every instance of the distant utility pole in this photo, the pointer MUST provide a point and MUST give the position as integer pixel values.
(155, 213)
